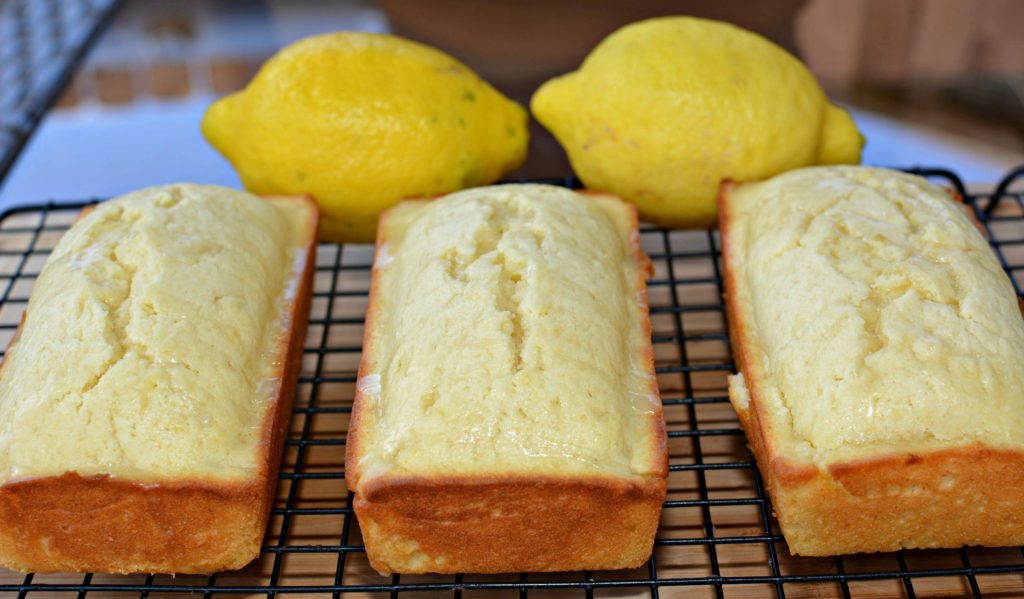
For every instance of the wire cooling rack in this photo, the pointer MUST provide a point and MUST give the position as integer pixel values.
(717, 535)
(41, 44)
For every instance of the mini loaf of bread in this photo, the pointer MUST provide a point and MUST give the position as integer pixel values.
(145, 398)
(507, 415)
(880, 351)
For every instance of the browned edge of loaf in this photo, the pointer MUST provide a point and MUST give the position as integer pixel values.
(72, 523)
(494, 524)
(968, 495)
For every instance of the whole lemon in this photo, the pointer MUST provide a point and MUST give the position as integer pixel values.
(362, 120)
(662, 110)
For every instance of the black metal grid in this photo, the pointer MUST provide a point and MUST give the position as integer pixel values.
(41, 44)
(717, 537)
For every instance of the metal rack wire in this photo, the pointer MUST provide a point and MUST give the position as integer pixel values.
(41, 44)
(717, 537)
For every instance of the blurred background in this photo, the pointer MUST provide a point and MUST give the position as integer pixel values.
(930, 82)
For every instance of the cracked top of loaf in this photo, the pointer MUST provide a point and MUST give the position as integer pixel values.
(877, 316)
(149, 344)
(508, 337)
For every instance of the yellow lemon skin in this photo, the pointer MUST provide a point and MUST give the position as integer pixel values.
(361, 121)
(663, 110)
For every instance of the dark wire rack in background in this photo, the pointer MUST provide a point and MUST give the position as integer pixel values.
(41, 44)
(717, 536)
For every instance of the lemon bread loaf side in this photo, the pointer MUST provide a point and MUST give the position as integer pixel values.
(143, 401)
(507, 416)
(880, 349)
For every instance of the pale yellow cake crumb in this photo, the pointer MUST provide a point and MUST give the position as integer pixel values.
(883, 320)
(509, 340)
(149, 338)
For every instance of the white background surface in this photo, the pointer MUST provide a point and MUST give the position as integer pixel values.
(98, 152)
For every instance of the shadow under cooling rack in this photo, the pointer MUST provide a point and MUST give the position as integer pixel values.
(717, 536)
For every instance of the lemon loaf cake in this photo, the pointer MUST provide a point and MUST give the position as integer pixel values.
(144, 400)
(880, 350)
(507, 415)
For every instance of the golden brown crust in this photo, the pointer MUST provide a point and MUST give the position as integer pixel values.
(644, 270)
(508, 524)
(492, 524)
(969, 495)
(71, 523)
(352, 438)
